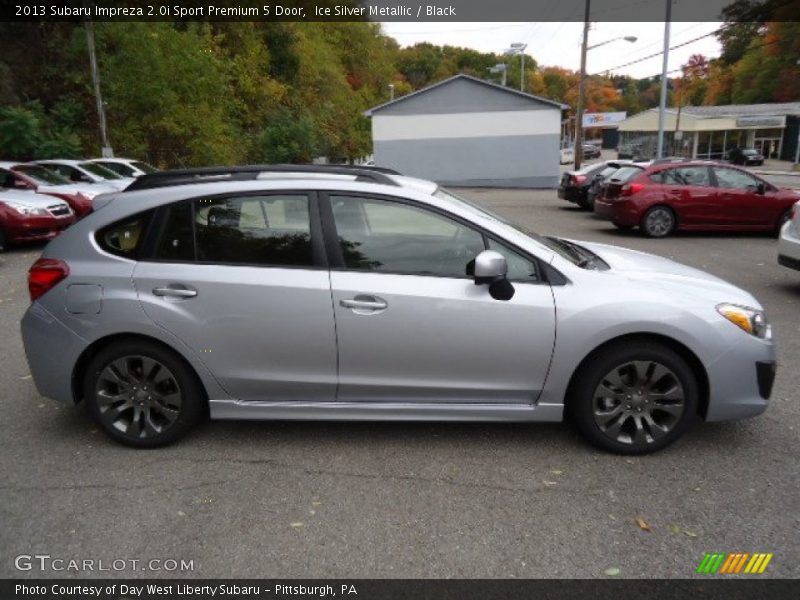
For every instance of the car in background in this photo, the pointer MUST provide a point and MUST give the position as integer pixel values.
(631, 151)
(789, 242)
(34, 178)
(703, 196)
(82, 171)
(574, 186)
(125, 167)
(566, 156)
(744, 157)
(591, 151)
(29, 217)
(409, 303)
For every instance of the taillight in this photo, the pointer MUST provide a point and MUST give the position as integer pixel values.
(44, 275)
(629, 189)
(577, 179)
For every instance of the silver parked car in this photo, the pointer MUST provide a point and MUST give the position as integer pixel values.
(340, 293)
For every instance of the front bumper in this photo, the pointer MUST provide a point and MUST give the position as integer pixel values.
(740, 381)
(34, 229)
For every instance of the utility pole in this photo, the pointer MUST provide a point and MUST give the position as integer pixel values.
(581, 91)
(664, 84)
(107, 151)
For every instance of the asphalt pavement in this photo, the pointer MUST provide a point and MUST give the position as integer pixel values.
(366, 500)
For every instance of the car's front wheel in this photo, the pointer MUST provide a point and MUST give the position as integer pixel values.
(658, 222)
(634, 398)
(142, 394)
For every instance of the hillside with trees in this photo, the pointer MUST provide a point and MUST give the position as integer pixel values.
(184, 94)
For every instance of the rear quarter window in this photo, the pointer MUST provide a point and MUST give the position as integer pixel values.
(125, 237)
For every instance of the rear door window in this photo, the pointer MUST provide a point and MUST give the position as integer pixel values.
(698, 176)
(269, 230)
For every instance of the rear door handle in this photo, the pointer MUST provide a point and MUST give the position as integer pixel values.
(175, 291)
(364, 302)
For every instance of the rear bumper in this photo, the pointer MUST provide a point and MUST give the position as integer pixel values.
(618, 211)
(52, 350)
(572, 194)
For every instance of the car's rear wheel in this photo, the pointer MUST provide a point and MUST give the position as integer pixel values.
(142, 394)
(2, 240)
(658, 222)
(634, 398)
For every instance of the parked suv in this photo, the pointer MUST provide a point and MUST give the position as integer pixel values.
(693, 195)
(353, 294)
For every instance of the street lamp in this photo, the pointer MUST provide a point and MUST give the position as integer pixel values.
(518, 48)
(585, 47)
(500, 68)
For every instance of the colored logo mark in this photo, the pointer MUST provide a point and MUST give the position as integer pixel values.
(734, 563)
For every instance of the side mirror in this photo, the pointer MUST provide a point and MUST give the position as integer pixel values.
(761, 188)
(490, 267)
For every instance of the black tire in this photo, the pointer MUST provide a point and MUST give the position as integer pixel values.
(2, 240)
(123, 389)
(586, 204)
(658, 222)
(614, 428)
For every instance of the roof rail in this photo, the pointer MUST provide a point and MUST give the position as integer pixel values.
(175, 177)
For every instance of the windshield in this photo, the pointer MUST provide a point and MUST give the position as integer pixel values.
(99, 170)
(42, 175)
(144, 167)
(564, 249)
(749, 151)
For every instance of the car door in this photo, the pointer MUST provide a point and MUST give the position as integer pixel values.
(690, 192)
(739, 201)
(411, 324)
(240, 281)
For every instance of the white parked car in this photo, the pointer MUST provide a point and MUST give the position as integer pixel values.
(567, 156)
(789, 242)
(125, 167)
(82, 171)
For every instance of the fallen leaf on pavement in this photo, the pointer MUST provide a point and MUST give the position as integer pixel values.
(297, 525)
(643, 525)
(612, 571)
(689, 533)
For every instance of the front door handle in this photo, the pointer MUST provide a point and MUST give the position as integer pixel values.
(364, 302)
(175, 291)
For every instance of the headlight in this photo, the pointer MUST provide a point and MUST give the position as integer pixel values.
(28, 210)
(751, 320)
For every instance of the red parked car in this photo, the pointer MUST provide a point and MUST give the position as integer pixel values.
(28, 217)
(25, 177)
(663, 197)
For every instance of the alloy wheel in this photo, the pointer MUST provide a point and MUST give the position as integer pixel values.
(659, 222)
(638, 402)
(138, 396)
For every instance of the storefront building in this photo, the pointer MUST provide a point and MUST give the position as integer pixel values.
(711, 131)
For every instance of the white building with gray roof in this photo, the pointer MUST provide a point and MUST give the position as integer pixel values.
(464, 131)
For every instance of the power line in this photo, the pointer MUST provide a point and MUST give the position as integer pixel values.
(675, 47)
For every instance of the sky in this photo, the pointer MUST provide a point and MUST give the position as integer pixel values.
(558, 44)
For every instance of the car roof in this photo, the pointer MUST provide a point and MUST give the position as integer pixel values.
(59, 161)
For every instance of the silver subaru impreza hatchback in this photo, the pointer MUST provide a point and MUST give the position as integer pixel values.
(277, 292)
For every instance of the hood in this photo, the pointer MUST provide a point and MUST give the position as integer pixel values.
(90, 190)
(30, 199)
(659, 272)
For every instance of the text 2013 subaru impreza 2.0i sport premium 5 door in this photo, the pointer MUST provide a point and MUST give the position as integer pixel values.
(339, 293)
